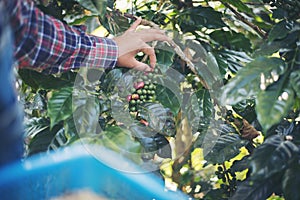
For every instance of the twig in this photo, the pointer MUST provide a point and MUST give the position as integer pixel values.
(254, 3)
(243, 19)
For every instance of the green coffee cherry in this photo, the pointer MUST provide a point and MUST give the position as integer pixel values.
(133, 109)
(139, 92)
(144, 91)
(132, 102)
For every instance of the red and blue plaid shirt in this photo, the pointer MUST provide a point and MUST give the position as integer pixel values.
(46, 44)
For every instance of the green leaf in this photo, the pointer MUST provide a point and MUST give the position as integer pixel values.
(147, 14)
(274, 103)
(118, 140)
(33, 126)
(239, 5)
(232, 60)
(121, 141)
(86, 117)
(272, 157)
(231, 40)
(208, 138)
(39, 102)
(225, 148)
(268, 48)
(164, 59)
(121, 83)
(197, 17)
(207, 16)
(286, 44)
(59, 140)
(205, 102)
(97, 7)
(151, 142)
(60, 105)
(168, 98)
(295, 81)
(240, 165)
(246, 109)
(204, 72)
(114, 22)
(86, 19)
(158, 118)
(250, 190)
(70, 130)
(279, 31)
(38, 80)
(213, 67)
(205, 63)
(164, 149)
(214, 194)
(153, 113)
(141, 131)
(251, 78)
(279, 13)
(291, 182)
(41, 137)
(122, 138)
(111, 79)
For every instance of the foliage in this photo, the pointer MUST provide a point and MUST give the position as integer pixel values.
(228, 130)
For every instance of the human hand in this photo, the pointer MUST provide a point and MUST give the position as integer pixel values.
(132, 42)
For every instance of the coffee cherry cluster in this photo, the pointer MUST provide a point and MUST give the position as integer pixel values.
(144, 91)
(143, 94)
(292, 7)
(228, 178)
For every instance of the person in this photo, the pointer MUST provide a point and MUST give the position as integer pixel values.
(31, 39)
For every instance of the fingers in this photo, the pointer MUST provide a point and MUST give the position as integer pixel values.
(129, 61)
(151, 53)
(148, 35)
(142, 67)
(135, 24)
(132, 41)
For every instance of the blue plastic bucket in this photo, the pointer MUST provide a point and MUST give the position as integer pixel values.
(72, 169)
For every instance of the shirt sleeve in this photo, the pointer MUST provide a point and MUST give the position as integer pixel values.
(46, 44)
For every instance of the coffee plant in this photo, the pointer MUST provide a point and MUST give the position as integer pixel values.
(218, 118)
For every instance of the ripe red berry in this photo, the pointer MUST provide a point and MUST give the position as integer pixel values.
(139, 85)
(128, 98)
(135, 96)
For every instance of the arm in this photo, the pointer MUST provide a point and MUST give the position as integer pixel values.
(46, 44)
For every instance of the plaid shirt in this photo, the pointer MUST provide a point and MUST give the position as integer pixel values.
(46, 44)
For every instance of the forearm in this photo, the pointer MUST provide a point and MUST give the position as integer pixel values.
(46, 44)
